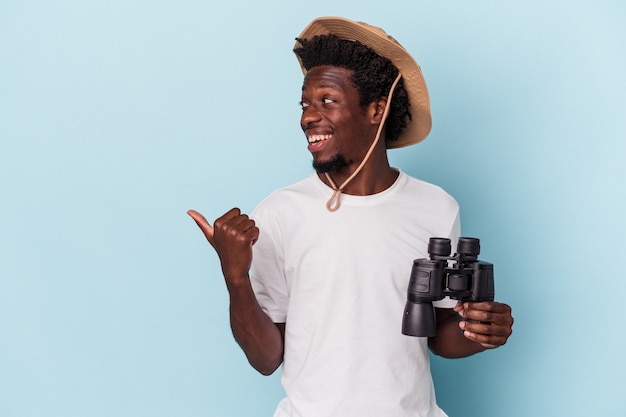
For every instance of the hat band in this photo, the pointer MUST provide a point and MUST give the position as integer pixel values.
(335, 200)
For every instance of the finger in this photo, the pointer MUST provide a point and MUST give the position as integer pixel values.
(203, 224)
(478, 338)
(488, 335)
(486, 340)
(487, 311)
(487, 317)
(253, 233)
(234, 221)
(484, 328)
(230, 214)
(476, 315)
(247, 230)
(488, 306)
(230, 220)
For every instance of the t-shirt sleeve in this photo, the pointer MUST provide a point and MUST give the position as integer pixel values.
(267, 274)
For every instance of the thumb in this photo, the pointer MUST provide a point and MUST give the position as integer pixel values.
(203, 224)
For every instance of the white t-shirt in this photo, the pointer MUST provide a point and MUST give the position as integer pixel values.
(339, 281)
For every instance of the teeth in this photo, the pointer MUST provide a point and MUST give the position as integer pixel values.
(317, 138)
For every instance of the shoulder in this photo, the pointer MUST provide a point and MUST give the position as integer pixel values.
(299, 190)
(289, 200)
(425, 193)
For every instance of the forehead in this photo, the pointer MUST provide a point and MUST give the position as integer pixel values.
(326, 76)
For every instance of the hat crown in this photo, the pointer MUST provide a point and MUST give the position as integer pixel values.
(380, 32)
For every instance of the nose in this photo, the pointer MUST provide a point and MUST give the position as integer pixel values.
(310, 114)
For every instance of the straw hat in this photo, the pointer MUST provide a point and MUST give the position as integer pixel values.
(419, 125)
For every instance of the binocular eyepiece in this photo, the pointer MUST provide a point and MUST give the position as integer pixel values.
(460, 277)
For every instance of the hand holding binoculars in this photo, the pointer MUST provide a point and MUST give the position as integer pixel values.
(460, 276)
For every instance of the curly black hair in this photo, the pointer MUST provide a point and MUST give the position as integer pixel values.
(373, 75)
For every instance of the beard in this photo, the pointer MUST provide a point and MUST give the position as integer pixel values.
(331, 165)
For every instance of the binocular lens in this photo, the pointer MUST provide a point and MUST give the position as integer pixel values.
(468, 246)
(438, 246)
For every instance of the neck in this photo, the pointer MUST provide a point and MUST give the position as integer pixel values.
(375, 176)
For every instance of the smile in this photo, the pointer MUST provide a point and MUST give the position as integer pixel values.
(318, 138)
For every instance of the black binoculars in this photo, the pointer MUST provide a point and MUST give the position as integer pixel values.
(461, 277)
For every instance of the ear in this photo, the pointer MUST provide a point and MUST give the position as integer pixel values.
(378, 109)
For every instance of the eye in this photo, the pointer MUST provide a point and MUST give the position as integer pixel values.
(303, 105)
(327, 100)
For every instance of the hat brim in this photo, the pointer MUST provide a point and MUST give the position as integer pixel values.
(418, 127)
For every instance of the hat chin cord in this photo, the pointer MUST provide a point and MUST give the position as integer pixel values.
(335, 200)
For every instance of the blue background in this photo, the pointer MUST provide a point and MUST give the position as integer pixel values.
(118, 116)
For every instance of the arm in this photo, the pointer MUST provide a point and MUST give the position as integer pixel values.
(490, 326)
(232, 237)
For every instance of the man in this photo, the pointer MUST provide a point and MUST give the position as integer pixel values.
(318, 279)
